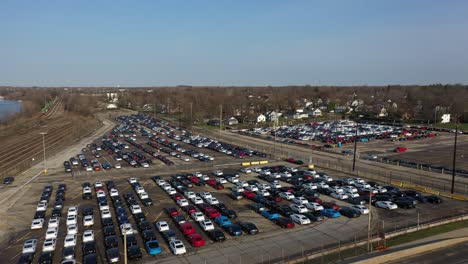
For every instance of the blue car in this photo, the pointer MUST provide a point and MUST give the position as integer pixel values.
(269, 215)
(152, 247)
(223, 221)
(331, 213)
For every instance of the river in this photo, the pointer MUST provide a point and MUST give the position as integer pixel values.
(8, 107)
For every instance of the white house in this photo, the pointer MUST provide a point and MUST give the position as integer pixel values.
(231, 121)
(261, 118)
(445, 118)
(317, 112)
(383, 112)
(272, 116)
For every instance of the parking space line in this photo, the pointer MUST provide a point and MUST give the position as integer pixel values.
(19, 253)
(23, 237)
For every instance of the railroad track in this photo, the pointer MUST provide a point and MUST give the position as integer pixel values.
(35, 148)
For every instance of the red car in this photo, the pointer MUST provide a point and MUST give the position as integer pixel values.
(196, 240)
(248, 194)
(330, 205)
(365, 194)
(285, 222)
(218, 186)
(276, 199)
(177, 196)
(400, 149)
(172, 211)
(212, 213)
(190, 209)
(211, 182)
(291, 160)
(193, 179)
(314, 199)
(187, 229)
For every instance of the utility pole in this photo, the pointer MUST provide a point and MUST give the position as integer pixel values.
(191, 116)
(44, 149)
(125, 245)
(355, 146)
(454, 156)
(369, 247)
(220, 119)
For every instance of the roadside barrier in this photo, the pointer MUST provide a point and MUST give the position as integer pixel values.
(459, 197)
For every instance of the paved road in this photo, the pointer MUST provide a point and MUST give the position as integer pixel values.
(457, 254)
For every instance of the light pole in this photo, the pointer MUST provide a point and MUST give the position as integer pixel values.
(43, 148)
(355, 146)
(454, 157)
(125, 244)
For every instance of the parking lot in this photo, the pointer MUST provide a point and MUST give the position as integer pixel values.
(273, 242)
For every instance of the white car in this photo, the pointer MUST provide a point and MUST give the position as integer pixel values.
(299, 208)
(171, 191)
(189, 194)
(49, 245)
(117, 166)
(88, 235)
(186, 159)
(162, 226)
(51, 232)
(197, 174)
(340, 196)
(336, 189)
(309, 186)
(221, 180)
(88, 220)
(251, 188)
(71, 220)
(265, 172)
(29, 246)
(69, 241)
(206, 225)
(300, 219)
(54, 222)
(166, 186)
(132, 180)
(246, 170)
(348, 181)
(350, 189)
(256, 169)
(357, 180)
(106, 214)
(87, 190)
(323, 185)
(286, 195)
(103, 206)
(361, 208)
(263, 193)
(139, 190)
(299, 200)
(217, 173)
(182, 202)
(97, 184)
(212, 200)
(386, 205)
(232, 179)
(89, 168)
(41, 206)
(145, 164)
(325, 178)
(126, 229)
(205, 195)
(72, 211)
(197, 216)
(197, 200)
(369, 189)
(72, 229)
(263, 186)
(37, 223)
(177, 247)
(113, 192)
(314, 206)
(291, 169)
(286, 174)
(275, 185)
(381, 189)
(361, 185)
(236, 188)
(135, 209)
(310, 172)
(242, 184)
(351, 194)
(161, 182)
(143, 195)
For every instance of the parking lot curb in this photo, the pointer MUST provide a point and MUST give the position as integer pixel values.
(405, 253)
(458, 197)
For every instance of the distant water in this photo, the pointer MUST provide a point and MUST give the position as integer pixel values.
(8, 108)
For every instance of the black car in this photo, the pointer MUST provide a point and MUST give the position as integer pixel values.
(231, 214)
(68, 253)
(147, 201)
(156, 178)
(356, 200)
(315, 216)
(411, 193)
(26, 258)
(148, 235)
(236, 195)
(108, 230)
(131, 240)
(58, 204)
(134, 252)
(405, 202)
(234, 230)
(90, 258)
(144, 225)
(62, 187)
(89, 248)
(87, 211)
(8, 180)
(216, 235)
(107, 221)
(46, 258)
(87, 196)
(39, 214)
(56, 212)
(433, 199)
(168, 235)
(112, 255)
(139, 217)
(248, 227)
(349, 212)
(111, 241)
(285, 210)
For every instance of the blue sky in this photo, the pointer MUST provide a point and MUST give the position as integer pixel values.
(238, 42)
